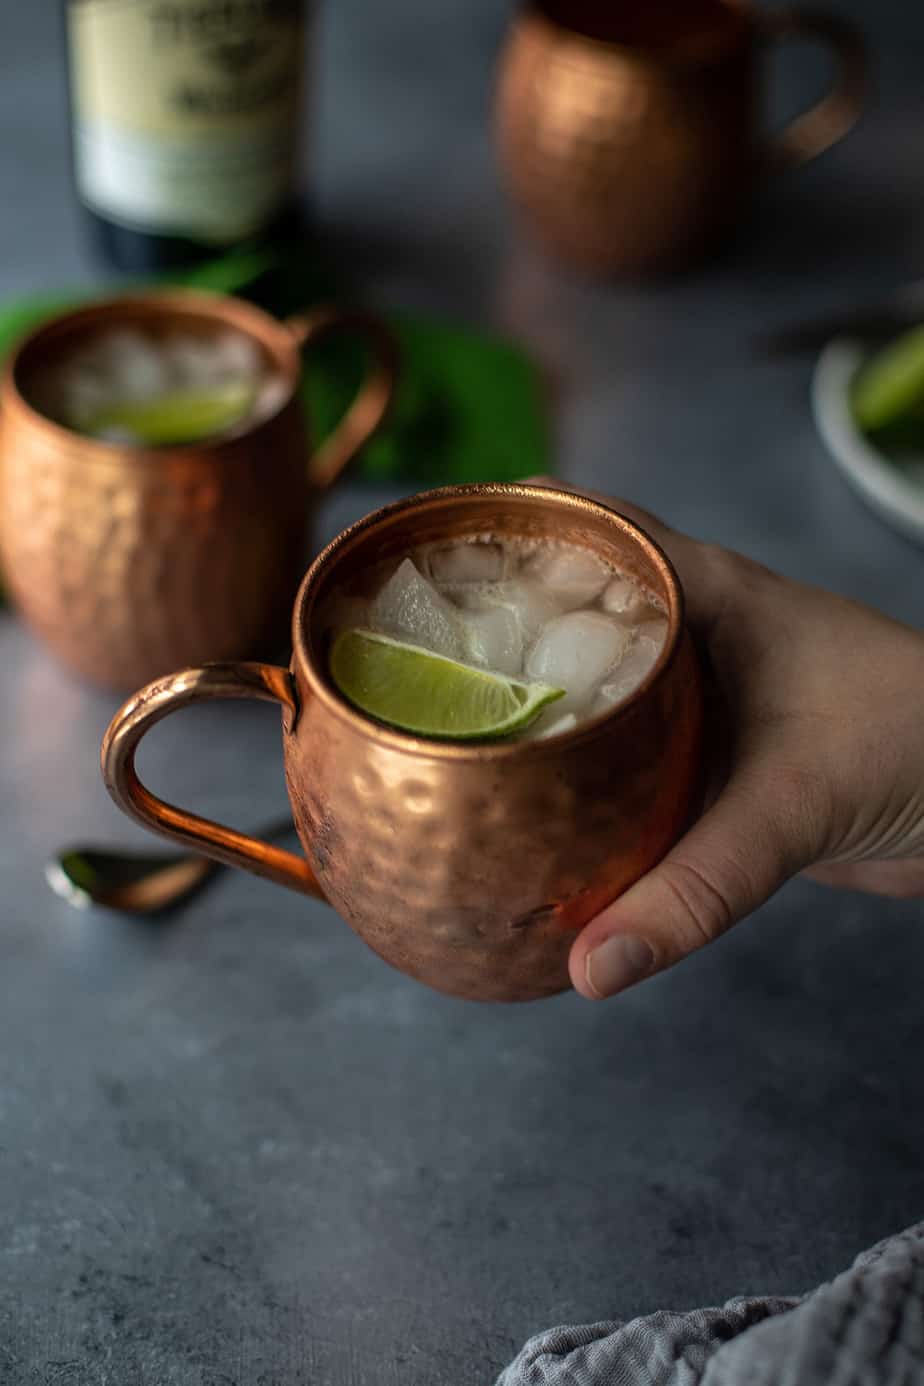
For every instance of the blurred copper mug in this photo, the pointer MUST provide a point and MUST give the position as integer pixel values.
(468, 866)
(129, 561)
(628, 131)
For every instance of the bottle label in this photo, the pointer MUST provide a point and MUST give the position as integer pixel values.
(185, 111)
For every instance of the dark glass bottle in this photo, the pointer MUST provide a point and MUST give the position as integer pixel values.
(185, 122)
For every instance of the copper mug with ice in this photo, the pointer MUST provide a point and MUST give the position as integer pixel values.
(130, 558)
(469, 865)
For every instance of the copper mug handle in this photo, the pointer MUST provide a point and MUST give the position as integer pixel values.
(816, 129)
(371, 404)
(266, 682)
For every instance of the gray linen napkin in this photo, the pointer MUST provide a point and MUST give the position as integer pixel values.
(866, 1328)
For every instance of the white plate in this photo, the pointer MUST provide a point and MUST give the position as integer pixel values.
(896, 493)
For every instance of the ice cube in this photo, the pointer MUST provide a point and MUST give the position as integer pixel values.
(623, 597)
(575, 576)
(193, 362)
(474, 596)
(237, 356)
(466, 562)
(133, 365)
(410, 608)
(82, 393)
(575, 652)
(270, 397)
(547, 724)
(635, 666)
(532, 605)
(494, 639)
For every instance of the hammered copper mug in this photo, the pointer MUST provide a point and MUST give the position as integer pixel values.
(628, 130)
(129, 561)
(468, 866)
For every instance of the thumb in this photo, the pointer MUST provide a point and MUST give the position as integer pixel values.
(758, 833)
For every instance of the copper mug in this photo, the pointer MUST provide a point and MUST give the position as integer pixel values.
(129, 561)
(468, 866)
(628, 132)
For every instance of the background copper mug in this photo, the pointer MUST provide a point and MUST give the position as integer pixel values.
(628, 132)
(469, 867)
(129, 561)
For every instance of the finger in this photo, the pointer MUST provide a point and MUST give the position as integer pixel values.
(757, 834)
(902, 880)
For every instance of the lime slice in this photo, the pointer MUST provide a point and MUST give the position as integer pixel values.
(891, 383)
(183, 416)
(427, 694)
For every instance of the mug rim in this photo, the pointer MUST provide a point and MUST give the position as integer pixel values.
(692, 52)
(478, 750)
(236, 312)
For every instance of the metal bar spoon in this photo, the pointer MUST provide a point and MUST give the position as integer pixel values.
(136, 882)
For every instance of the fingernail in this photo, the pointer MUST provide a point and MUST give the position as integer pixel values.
(616, 963)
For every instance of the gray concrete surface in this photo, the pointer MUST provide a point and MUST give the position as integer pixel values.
(235, 1148)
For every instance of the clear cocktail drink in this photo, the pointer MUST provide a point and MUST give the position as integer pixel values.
(533, 612)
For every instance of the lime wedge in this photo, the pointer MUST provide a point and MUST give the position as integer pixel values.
(183, 416)
(427, 694)
(891, 383)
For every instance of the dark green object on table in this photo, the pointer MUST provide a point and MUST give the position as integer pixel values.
(467, 407)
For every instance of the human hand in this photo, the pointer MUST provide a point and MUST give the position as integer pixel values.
(815, 744)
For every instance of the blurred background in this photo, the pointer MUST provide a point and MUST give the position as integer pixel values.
(400, 171)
